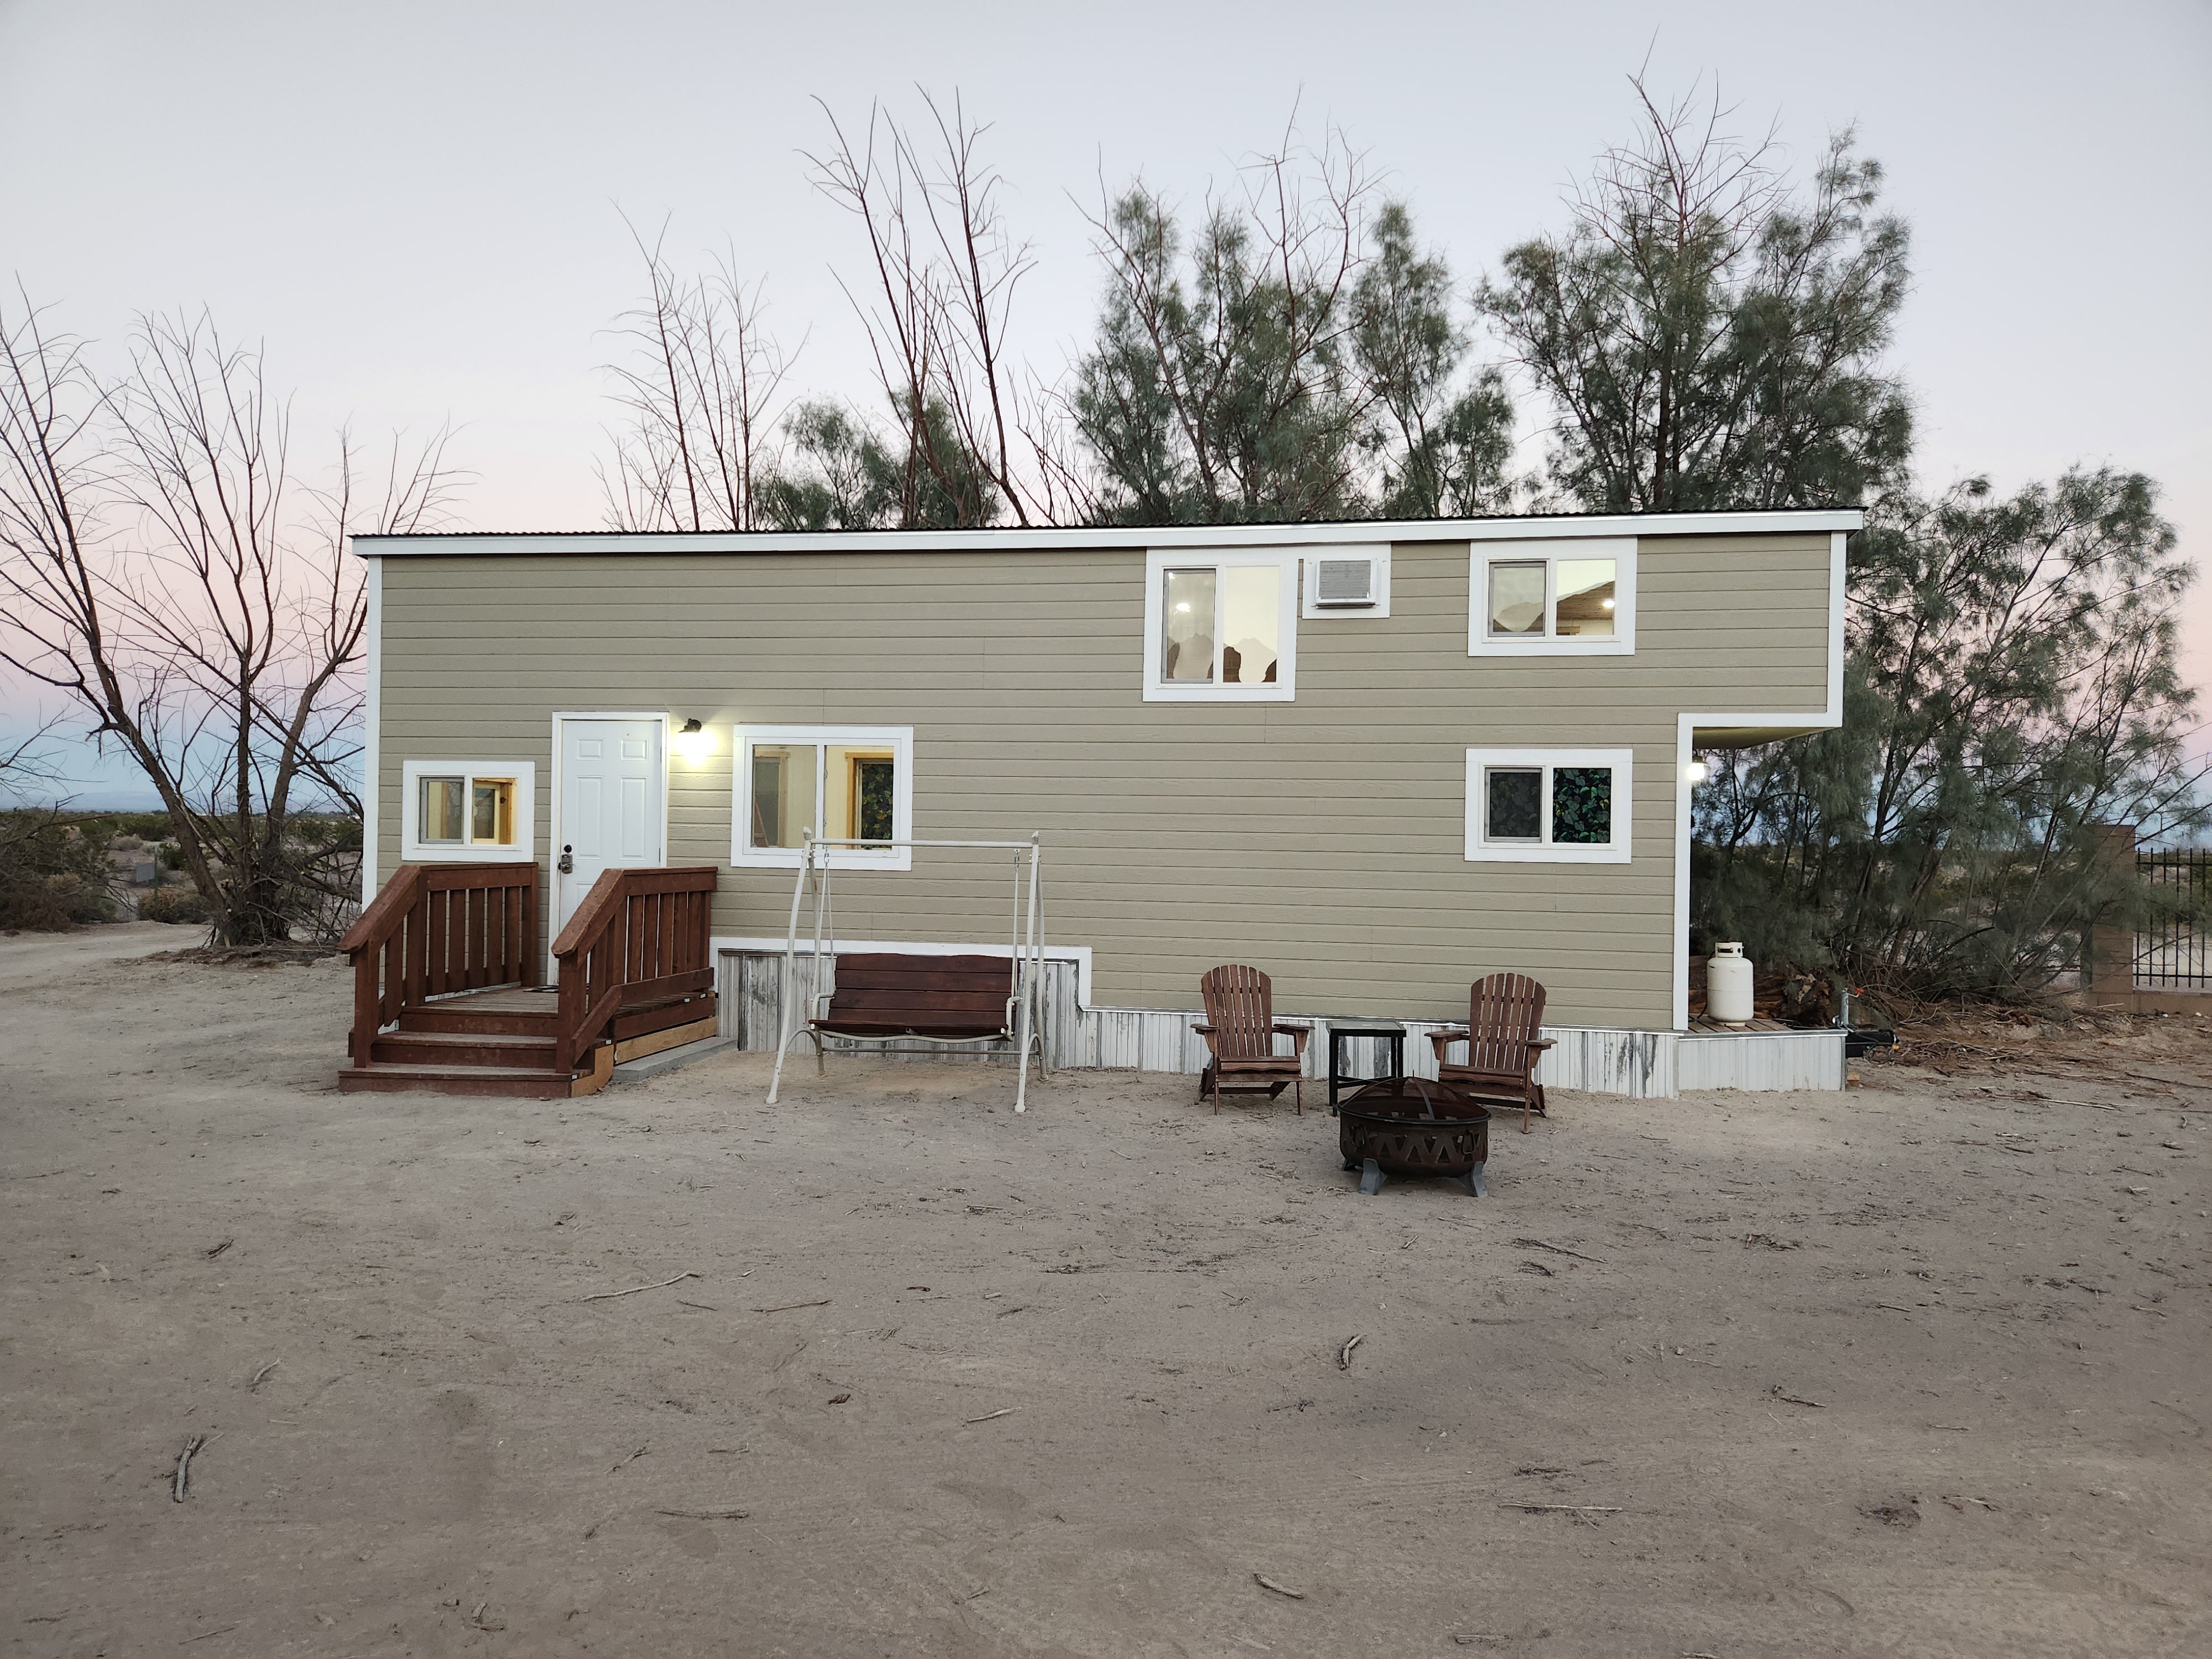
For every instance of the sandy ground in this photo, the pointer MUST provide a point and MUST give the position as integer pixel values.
(949, 1381)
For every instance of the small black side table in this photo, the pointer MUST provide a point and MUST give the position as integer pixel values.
(1389, 1031)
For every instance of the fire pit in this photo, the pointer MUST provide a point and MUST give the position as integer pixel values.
(1412, 1126)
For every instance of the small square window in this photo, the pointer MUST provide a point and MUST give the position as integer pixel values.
(1555, 806)
(1561, 598)
(459, 811)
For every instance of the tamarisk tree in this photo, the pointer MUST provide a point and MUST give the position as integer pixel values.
(1706, 335)
(164, 570)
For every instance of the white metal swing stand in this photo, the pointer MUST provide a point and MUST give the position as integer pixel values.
(1025, 945)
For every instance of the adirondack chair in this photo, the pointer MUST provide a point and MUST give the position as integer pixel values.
(1505, 1018)
(1240, 1032)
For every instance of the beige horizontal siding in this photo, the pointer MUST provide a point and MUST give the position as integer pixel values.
(1321, 839)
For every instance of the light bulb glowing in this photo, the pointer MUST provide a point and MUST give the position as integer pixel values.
(1607, 603)
(693, 744)
(1184, 606)
(1698, 771)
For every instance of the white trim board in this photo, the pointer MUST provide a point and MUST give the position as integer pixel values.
(1078, 954)
(372, 750)
(1687, 725)
(1082, 541)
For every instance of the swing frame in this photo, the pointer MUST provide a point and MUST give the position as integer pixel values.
(1021, 1024)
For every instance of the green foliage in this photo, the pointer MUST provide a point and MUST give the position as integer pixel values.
(1280, 362)
(1220, 391)
(2013, 683)
(849, 477)
(1708, 339)
(54, 871)
(1442, 452)
(1582, 804)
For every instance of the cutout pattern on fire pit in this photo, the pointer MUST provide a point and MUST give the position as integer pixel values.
(1410, 1126)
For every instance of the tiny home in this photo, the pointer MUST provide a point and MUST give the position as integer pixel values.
(1376, 760)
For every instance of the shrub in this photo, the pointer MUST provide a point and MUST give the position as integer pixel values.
(177, 902)
(53, 872)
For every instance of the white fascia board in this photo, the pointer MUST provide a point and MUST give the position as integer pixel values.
(1333, 533)
(1688, 725)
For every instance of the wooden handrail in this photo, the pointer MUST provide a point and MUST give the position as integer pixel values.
(435, 929)
(639, 936)
(382, 916)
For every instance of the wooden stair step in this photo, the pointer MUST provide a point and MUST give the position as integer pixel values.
(478, 1021)
(404, 1046)
(536, 1082)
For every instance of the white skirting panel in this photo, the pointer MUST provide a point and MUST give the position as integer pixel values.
(1761, 1060)
(1594, 1059)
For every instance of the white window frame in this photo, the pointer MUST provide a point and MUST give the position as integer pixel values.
(1159, 561)
(1481, 642)
(414, 850)
(899, 740)
(1482, 850)
(1376, 553)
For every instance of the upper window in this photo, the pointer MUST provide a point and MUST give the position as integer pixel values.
(466, 810)
(1548, 806)
(1564, 598)
(1220, 626)
(838, 783)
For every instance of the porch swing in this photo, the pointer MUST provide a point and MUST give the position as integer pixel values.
(886, 998)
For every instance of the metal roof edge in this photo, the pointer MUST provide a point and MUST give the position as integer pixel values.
(1333, 533)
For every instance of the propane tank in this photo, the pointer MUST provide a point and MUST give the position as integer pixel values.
(1728, 985)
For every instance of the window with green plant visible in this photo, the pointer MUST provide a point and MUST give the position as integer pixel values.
(848, 786)
(1555, 805)
(1581, 805)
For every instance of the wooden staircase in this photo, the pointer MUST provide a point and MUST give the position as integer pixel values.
(443, 1001)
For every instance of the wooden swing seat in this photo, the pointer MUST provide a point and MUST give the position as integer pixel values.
(887, 996)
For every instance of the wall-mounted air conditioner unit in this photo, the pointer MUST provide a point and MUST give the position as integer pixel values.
(1348, 582)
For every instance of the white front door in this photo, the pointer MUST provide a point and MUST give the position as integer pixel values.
(612, 777)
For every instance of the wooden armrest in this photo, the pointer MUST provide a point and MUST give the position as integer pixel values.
(1543, 1044)
(1203, 1030)
(1297, 1034)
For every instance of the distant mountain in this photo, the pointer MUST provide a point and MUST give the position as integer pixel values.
(97, 800)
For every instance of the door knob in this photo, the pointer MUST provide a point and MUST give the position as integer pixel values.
(567, 864)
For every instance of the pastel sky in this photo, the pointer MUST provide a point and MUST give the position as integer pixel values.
(416, 206)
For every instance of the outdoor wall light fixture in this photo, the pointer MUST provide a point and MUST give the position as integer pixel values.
(693, 742)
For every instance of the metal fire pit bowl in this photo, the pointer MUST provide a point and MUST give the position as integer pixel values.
(1411, 1125)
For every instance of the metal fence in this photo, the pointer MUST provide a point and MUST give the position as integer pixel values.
(2174, 951)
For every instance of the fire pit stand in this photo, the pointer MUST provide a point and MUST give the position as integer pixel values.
(1412, 1126)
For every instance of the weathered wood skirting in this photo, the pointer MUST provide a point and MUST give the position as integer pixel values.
(1597, 1060)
